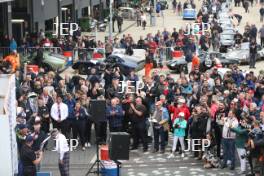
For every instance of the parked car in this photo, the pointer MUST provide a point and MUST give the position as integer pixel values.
(50, 61)
(189, 13)
(241, 54)
(128, 13)
(207, 61)
(226, 40)
(124, 62)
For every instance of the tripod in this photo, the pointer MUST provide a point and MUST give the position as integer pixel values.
(97, 162)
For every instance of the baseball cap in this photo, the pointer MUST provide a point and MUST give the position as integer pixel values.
(21, 126)
(181, 114)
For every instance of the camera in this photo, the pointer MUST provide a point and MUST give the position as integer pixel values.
(246, 155)
(176, 126)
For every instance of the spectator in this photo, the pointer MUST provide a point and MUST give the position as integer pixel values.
(59, 113)
(160, 117)
(229, 139)
(137, 116)
(179, 127)
(253, 52)
(261, 34)
(115, 115)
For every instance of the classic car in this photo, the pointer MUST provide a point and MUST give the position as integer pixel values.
(207, 61)
(124, 62)
(128, 13)
(226, 40)
(241, 54)
(189, 13)
(50, 61)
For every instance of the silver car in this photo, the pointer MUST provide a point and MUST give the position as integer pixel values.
(227, 39)
(242, 53)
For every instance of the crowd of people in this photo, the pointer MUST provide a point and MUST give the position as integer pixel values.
(228, 111)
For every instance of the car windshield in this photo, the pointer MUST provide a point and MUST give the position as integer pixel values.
(228, 31)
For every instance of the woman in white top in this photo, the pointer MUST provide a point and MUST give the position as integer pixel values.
(143, 20)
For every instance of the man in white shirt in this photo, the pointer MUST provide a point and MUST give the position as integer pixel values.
(59, 113)
(62, 148)
(228, 140)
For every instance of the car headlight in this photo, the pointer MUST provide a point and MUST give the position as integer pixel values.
(244, 57)
(173, 64)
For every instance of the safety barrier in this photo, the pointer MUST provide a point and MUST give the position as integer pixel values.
(168, 53)
(77, 53)
(88, 53)
(25, 51)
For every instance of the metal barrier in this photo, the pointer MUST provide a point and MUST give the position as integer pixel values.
(167, 53)
(88, 53)
(78, 53)
(26, 51)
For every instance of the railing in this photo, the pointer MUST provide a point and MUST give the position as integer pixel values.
(88, 53)
(77, 53)
(25, 51)
(167, 54)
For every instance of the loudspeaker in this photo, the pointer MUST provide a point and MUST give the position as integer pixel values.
(97, 110)
(119, 146)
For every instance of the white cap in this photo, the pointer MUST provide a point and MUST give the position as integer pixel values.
(181, 114)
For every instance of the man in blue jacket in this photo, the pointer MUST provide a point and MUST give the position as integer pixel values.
(115, 115)
(160, 117)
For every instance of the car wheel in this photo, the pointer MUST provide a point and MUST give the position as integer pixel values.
(82, 69)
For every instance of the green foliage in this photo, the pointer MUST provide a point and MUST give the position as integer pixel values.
(85, 24)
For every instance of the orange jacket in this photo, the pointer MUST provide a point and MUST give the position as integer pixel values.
(195, 62)
(148, 68)
(13, 60)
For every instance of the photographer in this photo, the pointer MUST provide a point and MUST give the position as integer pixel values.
(137, 115)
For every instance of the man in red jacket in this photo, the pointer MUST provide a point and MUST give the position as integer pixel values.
(152, 47)
(181, 107)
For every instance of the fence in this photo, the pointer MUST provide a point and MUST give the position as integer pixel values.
(26, 51)
(166, 54)
(77, 53)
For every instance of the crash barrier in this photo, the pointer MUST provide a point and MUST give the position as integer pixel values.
(168, 53)
(75, 54)
(25, 51)
(88, 53)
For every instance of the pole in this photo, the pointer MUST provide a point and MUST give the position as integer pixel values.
(59, 16)
(111, 21)
(9, 19)
(154, 13)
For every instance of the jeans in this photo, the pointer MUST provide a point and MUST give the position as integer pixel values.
(252, 60)
(159, 137)
(229, 149)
